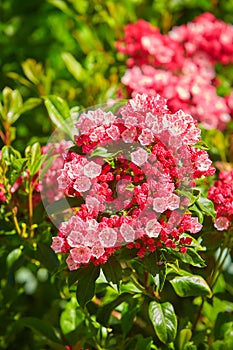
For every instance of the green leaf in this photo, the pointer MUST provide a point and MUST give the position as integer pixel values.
(190, 286)
(86, 284)
(197, 212)
(127, 319)
(18, 78)
(207, 206)
(12, 101)
(184, 337)
(187, 194)
(190, 257)
(59, 113)
(74, 67)
(164, 320)
(71, 317)
(13, 256)
(61, 5)
(112, 270)
(47, 257)
(32, 70)
(29, 104)
(38, 326)
(102, 152)
(105, 311)
(160, 277)
(9, 155)
(33, 153)
(144, 343)
(222, 319)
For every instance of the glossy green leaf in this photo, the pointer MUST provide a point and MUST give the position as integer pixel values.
(71, 317)
(163, 318)
(13, 256)
(12, 101)
(187, 194)
(32, 70)
(190, 257)
(58, 111)
(9, 155)
(184, 337)
(206, 206)
(86, 285)
(197, 212)
(160, 277)
(112, 270)
(33, 153)
(31, 103)
(187, 286)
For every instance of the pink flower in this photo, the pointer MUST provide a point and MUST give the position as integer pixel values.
(153, 228)
(159, 204)
(128, 135)
(222, 223)
(97, 251)
(92, 170)
(82, 184)
(173, 202)
(58, 244)
(108, 237)
(139, 157)
(81, 254)
(75, 238)
(127, 232)
(113, 132)
(146, 137)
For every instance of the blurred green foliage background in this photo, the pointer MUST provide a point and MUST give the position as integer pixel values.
(67, 48)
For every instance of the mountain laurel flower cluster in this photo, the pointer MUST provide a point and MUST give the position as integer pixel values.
(129, 172)
(180, 66)
(221, 193)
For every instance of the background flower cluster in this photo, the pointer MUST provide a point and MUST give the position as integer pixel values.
(180, 66)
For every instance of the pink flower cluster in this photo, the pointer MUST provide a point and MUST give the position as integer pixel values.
(180, 66)
(48, 182)
(127, 170)
(221, 193)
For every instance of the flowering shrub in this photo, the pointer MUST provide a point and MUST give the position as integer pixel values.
(180, 66)
(126, 194)
(128, 170)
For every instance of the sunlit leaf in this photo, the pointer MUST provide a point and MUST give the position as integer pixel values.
(163, 318)
(187, 286)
